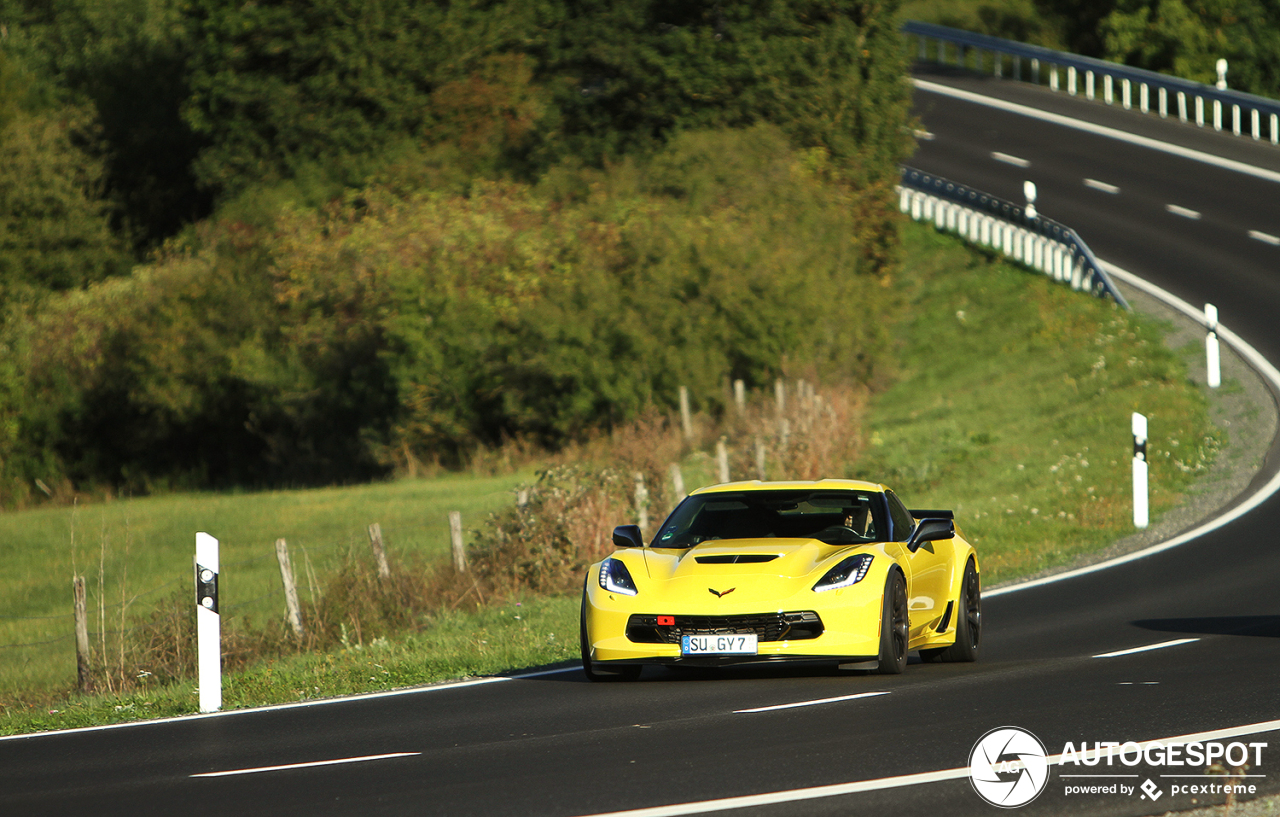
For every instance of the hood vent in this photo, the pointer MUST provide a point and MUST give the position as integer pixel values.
(735, 558)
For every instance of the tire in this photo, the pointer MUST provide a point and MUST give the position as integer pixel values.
(969, 623)
(895, 627)
(593, 671)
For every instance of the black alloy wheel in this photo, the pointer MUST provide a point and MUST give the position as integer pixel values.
(895, 627)
(969, 626)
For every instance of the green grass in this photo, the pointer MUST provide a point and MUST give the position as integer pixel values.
(134, 552)
(517, 634)
(1014, 404)
(1011, 405)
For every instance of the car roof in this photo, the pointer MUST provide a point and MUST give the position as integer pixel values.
(791, 485)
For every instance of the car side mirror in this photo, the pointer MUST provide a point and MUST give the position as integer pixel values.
(627, 536)
(931, 530)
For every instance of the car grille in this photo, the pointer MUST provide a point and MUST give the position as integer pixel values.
(645, 629)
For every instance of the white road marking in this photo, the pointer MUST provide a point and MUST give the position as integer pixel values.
(1148, 648)
(1185, 212)
(1010, 160)
(1255, 359)
(839, 789)
(310, 765)
(1265, 237)
(923, 134)
(809, 703)
(1103, 186)
(1099, 130)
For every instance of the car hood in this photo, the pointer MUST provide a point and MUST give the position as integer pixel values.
(782, 558)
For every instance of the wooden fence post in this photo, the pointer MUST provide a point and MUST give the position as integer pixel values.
(677, 483)
(83, 678)
(455, 538)
(722, 459)
(760, 459)
(290, 588)
(740, 396)
(780, 396)
(379, 551)
(642, 502)
(686, 420)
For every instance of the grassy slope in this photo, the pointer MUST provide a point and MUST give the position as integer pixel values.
(1012, 407)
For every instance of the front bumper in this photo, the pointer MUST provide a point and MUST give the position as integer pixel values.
(850, 627)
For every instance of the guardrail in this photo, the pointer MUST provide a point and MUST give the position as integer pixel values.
(1029, 238)
(1186, 99)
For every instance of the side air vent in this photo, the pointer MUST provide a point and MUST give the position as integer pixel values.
(735, 558)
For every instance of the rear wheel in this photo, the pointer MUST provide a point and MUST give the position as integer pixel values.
(624, 672)
(894, 627)
(969, 624)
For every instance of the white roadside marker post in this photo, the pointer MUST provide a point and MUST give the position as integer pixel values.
(1029, 191)
(208, 624)
(1212, 354)
(1141, 512)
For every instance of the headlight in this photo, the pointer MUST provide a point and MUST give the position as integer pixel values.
(848, 572)
(615, 578)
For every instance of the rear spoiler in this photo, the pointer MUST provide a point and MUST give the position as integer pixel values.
(933, 514)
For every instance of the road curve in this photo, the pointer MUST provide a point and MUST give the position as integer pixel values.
(1180, 643)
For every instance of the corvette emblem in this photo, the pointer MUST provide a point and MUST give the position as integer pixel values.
(722, 593)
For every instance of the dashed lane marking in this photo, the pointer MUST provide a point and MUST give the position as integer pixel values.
(1148, 648)
(809, 703)
(310, 765)
(1185, 212)
(1016, 161)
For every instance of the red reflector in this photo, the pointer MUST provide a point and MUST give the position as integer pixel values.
(666, 621)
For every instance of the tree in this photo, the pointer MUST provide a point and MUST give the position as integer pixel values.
(280, 86)
(829, 73)
(1187, 39)
(54, 230)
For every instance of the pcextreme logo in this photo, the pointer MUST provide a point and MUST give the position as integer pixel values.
(1008, 767)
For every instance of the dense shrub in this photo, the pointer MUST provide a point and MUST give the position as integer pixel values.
(390, 329)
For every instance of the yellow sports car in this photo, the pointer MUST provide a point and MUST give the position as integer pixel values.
(829, 570)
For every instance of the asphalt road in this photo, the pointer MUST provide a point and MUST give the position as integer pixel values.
(555, 744)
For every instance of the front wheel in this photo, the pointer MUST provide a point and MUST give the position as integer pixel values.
(895, 627)
(625, 672)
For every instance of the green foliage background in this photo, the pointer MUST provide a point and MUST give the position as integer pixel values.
(305, 242)
(314, 241)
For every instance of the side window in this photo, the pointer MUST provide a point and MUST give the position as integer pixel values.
(903, 524)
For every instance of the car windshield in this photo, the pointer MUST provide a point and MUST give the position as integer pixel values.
(835, 517)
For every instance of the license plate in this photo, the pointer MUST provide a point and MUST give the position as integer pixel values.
(737, 644)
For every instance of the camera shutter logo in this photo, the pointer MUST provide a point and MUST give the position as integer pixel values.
(1008, 767)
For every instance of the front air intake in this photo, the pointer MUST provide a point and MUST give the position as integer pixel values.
(645, 629)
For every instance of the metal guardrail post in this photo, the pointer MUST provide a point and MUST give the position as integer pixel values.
(1018, 232)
